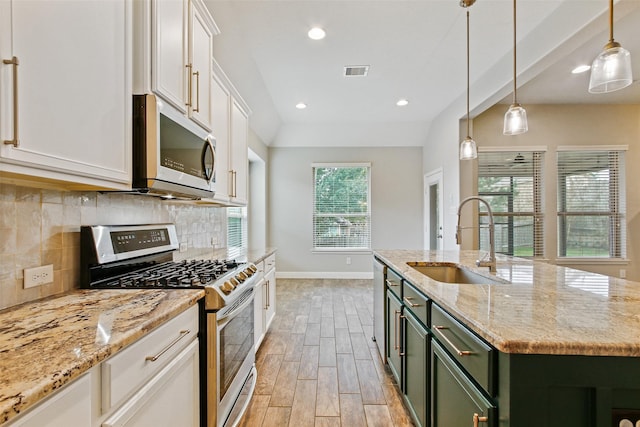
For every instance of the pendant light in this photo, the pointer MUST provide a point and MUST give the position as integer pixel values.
(611, 70)
(468, 148)
(515, 119)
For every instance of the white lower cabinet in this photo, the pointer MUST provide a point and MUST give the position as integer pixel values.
(70, 406)
(171, 398)
(265, 299)
(153, 382)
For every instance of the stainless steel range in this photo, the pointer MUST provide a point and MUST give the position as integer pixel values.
(141, 256)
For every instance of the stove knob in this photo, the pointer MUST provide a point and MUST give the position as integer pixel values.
(235, 282)
(253, 268)
(248, 272)
(227, 287)
(242, 276)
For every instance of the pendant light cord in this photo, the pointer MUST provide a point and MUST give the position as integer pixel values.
(468, 124)
(514, 53)
(611, 21)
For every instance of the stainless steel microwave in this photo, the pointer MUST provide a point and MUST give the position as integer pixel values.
(172, 156)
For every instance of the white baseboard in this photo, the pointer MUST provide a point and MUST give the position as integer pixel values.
(324, 275)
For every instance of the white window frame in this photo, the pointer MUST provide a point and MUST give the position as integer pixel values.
(621, 236)
(325, 249)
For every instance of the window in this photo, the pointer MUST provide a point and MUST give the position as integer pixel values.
(591, 204)
(341, 208)
(236, 231)
(511, 182)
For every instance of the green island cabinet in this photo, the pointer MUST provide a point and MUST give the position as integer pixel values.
(451, 377)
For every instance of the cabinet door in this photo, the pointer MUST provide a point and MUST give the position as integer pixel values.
(270, 312)
(220, 106)
(455, 400)
(416, 351)
(201, 54)
(171, 398)
(259, 305)
(72, 88)
(169, 51)
(239, 153)
(70, 406)
(394, 335)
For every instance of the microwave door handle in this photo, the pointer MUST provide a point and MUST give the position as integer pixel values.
(208, 167)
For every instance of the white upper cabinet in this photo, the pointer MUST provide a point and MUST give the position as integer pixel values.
(230, 129)
(65, 92)
(181, 56)
(220, 106)
(239, 153)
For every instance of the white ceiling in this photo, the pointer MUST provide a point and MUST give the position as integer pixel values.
(416, 50)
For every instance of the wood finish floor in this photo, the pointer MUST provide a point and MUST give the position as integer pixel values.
(318, 366)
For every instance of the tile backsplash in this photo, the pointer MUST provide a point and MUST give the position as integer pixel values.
(40, 227)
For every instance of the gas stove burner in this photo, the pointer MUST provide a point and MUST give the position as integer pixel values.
(183, 274)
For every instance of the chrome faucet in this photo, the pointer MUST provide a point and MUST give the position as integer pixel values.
(491, 262)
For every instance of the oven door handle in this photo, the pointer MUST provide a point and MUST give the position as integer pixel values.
(230, 315)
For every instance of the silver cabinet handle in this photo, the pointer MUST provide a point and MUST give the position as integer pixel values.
(189, 86)
(408, 301)
(14, 61)
(439, 330)
(197, 74)
(183, 334)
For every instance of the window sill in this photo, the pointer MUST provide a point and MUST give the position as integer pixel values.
(341, 251)
(586, 260)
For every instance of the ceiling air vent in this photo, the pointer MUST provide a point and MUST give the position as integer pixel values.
(356, 70)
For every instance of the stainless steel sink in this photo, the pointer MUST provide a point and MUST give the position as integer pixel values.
(452, 273)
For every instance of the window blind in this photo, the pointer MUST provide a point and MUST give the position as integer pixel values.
(511, 182)
(341, 208)
(236, 231)
(591, 204)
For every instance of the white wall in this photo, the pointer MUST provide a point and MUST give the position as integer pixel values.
(396, 205)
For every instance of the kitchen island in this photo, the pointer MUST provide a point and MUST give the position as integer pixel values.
(549, 345)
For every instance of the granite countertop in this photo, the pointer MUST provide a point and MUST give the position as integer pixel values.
(48, 343)
(542, 309)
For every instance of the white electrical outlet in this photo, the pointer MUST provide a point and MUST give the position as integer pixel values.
(38, 276)
(623, 273)
(183, 247)
(348, 260)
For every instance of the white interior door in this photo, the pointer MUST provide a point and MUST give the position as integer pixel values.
(433, 210)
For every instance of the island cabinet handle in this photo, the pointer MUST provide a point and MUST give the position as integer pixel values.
(478, 419)
(396, 331)
(408, 301)
(183, 334)
(390, 283)
(401, 353)
(439, 330)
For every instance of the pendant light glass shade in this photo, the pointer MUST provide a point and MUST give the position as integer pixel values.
(468, 149)
(611, 70)
(515, 120)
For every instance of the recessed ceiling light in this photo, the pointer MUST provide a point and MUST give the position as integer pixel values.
(402, 102)
(301, 105)
(581, 69)
(316, 33)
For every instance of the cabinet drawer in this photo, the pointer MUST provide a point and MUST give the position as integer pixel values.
(416, 302)
(270, 262)
(471, 352)
(125, 372)
(393, 282)
(260, 271)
